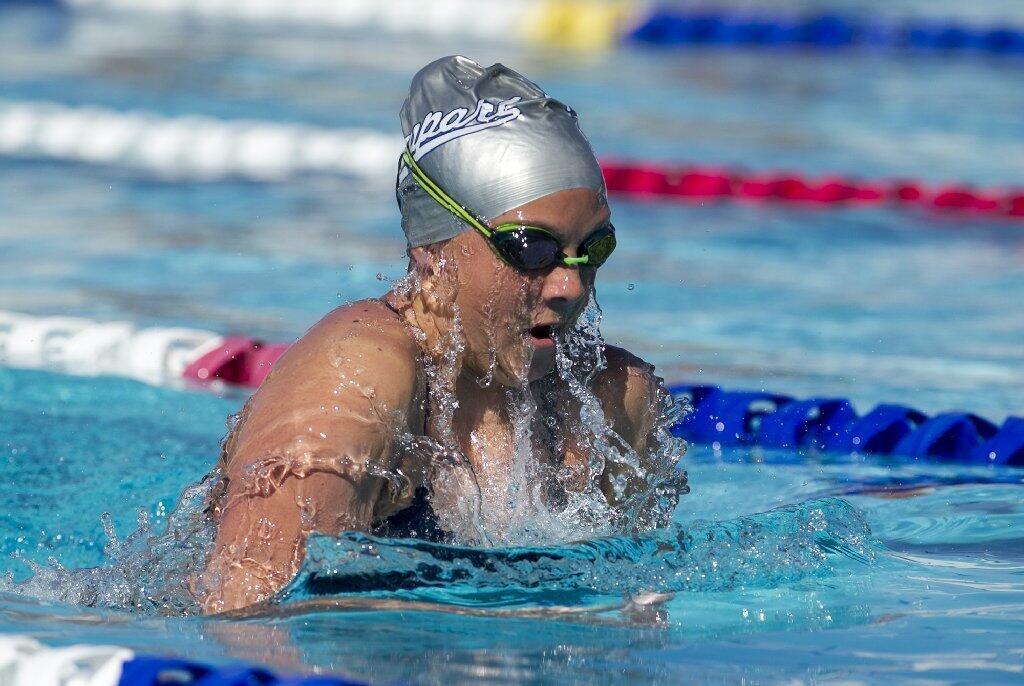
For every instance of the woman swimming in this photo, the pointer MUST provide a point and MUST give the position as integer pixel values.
(475, 401)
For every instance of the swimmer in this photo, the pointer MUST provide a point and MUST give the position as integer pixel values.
(474, 402)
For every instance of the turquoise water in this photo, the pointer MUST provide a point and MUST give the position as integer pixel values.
(783, 567)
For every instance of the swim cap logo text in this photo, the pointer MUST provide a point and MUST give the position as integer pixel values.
(438, 128)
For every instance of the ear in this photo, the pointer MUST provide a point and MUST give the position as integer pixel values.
(421, 258)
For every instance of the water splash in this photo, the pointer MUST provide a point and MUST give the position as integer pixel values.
(622, 493)
(149, 573)
(490, 324)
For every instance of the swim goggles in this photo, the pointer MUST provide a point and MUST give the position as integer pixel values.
(524, 247)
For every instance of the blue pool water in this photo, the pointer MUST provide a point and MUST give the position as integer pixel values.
(784, 567)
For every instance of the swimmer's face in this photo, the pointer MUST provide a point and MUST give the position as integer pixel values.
(510, 317)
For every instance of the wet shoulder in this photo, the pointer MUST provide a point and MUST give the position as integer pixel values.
(363, 344)
(368, 324)
(347, 377)
(624, 373)
(628, 390)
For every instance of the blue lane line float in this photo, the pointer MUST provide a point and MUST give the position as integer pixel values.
(145, 670)
(757, 418)
(679, 27)
(32, 3)
(26, 661)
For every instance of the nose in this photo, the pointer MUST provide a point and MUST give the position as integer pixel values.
(563, 289)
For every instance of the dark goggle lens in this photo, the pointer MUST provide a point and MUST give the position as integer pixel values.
(598, 248)
(527, 249)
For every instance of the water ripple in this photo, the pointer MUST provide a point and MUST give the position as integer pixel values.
(814, 538)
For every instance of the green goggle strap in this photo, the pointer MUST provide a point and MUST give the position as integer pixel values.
(447, 202)
(442, 198)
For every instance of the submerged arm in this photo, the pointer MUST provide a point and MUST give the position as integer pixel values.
(311, 453)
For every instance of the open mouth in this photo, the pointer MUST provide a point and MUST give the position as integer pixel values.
(542, 332)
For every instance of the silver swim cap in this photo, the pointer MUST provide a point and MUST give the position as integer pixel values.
(492, 140)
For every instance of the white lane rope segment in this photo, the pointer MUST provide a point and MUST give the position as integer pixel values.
(193, 148)
(491, 21)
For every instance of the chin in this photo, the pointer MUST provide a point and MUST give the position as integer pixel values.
(515, 369)
(540, 367)
(537, 375)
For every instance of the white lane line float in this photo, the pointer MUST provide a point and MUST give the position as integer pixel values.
(192, 147)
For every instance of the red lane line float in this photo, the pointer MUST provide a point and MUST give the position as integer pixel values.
(699, 183)
(238, 361)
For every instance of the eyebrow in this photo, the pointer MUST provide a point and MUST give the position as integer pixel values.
(606, 224)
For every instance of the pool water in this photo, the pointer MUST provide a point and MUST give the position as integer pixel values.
(783, 566)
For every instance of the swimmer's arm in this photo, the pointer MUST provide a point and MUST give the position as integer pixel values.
(631, 395)
(633, 398)
(627, 389)
(298, 461)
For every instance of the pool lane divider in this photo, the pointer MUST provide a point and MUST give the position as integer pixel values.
(697, 183)
(197, 148)
(669, 26)
(724, 419)
(596, 24)
(26, 662)
(720, 418)
(567, 24)
(192, 148)
(571, 24)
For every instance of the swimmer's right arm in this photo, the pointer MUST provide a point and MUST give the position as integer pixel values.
(298, 461)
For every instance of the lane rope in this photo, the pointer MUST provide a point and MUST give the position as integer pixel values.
(724, 419)
(720, 418)
(570, 24)
(578, 24)
(25, 661)
(709, 183)
(191, 148)
(195, 148)
(668, 26)
(492, 21)
(593, 24)
(82, 347)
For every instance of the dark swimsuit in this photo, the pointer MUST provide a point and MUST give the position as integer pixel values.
(416, 521)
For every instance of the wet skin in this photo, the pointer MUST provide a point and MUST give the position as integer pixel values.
(313, 445)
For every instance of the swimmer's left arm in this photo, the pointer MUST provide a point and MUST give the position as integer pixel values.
(628, 390)
(632, 397)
